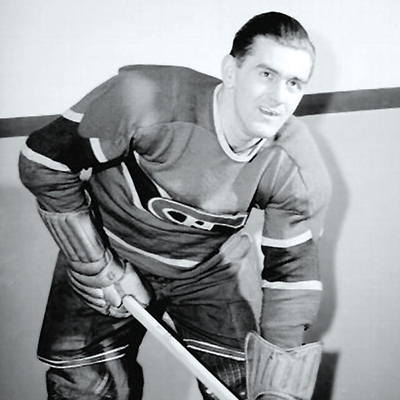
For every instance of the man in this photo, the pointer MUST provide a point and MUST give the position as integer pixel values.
(178, 159)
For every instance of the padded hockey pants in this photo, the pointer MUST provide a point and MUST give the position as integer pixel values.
(92, 356)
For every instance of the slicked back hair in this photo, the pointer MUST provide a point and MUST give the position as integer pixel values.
(277, 26)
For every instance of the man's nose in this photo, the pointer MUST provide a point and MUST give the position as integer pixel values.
(278, 92)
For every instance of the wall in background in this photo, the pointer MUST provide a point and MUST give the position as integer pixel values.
(359, 320)
(54, 51)
(360, 315)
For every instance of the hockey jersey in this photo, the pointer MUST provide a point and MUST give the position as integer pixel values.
(168, 189)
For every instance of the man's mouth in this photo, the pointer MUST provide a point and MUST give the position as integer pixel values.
(269, 112)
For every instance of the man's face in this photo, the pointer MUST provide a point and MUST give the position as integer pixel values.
(267, 86)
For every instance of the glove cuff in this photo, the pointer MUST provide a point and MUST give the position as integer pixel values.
(78, 238)
(276, 373)
(110, 274)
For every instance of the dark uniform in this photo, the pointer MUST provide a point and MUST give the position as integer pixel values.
(168, 192)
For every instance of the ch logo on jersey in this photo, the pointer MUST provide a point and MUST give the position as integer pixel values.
(173, 211)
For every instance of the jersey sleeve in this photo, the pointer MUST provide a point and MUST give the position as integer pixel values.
(95, 131)
(293, 224)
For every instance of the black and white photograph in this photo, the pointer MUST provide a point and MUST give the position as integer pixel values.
(199, 200)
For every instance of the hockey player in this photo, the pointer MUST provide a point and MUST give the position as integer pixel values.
(178, 159)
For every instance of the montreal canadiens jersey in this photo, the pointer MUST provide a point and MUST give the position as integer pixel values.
(168, 189)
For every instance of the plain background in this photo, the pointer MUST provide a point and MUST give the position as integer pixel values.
(53, 52)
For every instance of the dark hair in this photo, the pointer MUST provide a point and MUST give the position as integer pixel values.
(280, 27)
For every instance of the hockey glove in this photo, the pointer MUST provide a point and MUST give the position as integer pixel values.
(101, 278)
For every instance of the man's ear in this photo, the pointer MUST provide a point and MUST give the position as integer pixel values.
(229, 71)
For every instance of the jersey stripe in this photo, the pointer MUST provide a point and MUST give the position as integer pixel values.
(147, 188)
(97, 150)
(284, 243)
(72, 116)
(134, 193)
(110, 355)
(181, 263)
(214, 349)
(162, 192)
(303, 285)
(43, 160)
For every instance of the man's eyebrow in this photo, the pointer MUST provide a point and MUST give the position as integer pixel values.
(301, 80)
(265, 66)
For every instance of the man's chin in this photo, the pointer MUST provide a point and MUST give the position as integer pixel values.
(268, 132)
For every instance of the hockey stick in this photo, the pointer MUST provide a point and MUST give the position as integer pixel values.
(177, 349)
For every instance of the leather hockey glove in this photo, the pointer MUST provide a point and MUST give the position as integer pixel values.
(105, 291)
(274, 373)
(101, 278)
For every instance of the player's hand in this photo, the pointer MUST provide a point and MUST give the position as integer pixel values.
(129, 285)
(108, 300)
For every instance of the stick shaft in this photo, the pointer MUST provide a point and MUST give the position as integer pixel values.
(177, 349)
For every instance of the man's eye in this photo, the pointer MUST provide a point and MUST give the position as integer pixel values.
(294, 84)
(266, 74)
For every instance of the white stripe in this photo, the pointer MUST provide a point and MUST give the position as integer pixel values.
(162, 192)
(97, 150)
(170, 261)
(216, 350)
(94, 142)
(283, 243)
(85, 360)
(83, 364)
(131, 185)
(105, 353)
(304, 285)
(43, 160)
(73, 116)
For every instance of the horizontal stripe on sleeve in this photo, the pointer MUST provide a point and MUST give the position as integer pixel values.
(284, 243)
(43, 160)
(303, 285)
(73, 116)
(61, 142)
